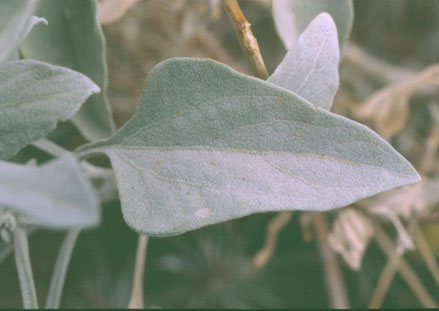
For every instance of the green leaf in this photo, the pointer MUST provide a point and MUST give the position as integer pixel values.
(34, 96)
(55, 195)
(291, 17)
(74, 39)
(16, 21)
(310, 68)
(208, 144)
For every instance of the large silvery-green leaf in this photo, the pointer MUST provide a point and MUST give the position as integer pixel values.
(34, 96)
(16, 21)
(291, 17)
(55, 195)
(208, 144)
(310, 68)
(74, 39)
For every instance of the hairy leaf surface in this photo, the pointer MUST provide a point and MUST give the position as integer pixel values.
(34, 96)
(291, 17)
(55, 195)
(208, 144)
(16, 21)
(74, 39)
(310, 68)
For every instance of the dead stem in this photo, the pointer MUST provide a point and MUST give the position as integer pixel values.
(334, 278)
(247, 40)
(384, 281)
(274, 227)
(136, 300)
(412, 280)
(425, 251)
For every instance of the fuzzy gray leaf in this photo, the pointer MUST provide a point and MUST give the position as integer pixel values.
(310, 68)
(55, 195)
(208, 144)
(16, 21)
(291, 17)
(34, 96)
(74, 39)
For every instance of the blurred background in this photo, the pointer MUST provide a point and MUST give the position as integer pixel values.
(382, 251)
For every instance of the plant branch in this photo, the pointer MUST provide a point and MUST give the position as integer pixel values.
(60, 271)
(334, 278)
(384, 281)
(24, 269)
(136, 300)
(373, 66)
(274, 227)
(107, 189)
(412, 280)
(246, 39)
(425, 252)
(51, 148)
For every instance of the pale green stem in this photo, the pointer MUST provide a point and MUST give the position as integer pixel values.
(24, 269)
(60, 270)
(136, 300)
(50, 147)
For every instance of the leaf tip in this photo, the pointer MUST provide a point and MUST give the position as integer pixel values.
(38, 20)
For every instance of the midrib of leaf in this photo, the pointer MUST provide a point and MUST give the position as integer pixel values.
(35, 100)
(120, 147)
(155, 173)
(314, 65)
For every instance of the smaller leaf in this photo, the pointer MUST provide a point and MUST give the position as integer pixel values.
(34, 96)
(74, 39)
(16, 21)
(310, 68)
(291, 17)
(55, 195)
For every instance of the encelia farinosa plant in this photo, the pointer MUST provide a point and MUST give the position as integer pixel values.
(206, 145)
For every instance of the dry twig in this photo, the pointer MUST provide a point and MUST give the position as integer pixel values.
(247, 40)
(425, 251)
(334, 278)
(412, 280)
(274, 227)
(136, 300)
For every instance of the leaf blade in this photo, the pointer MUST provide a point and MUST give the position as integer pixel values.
(310, 68)
(208, 144)
(34, 96)
(16, 21)
(74, 39)
(291, 17)
(56, 194)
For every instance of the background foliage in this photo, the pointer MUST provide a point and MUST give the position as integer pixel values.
(213, 267)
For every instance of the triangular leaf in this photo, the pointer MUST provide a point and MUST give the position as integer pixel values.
(310, 68)
(16, 21)
(291, 17)
(34, 96)
(74, 39)
(55, 195)
(208, 144)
